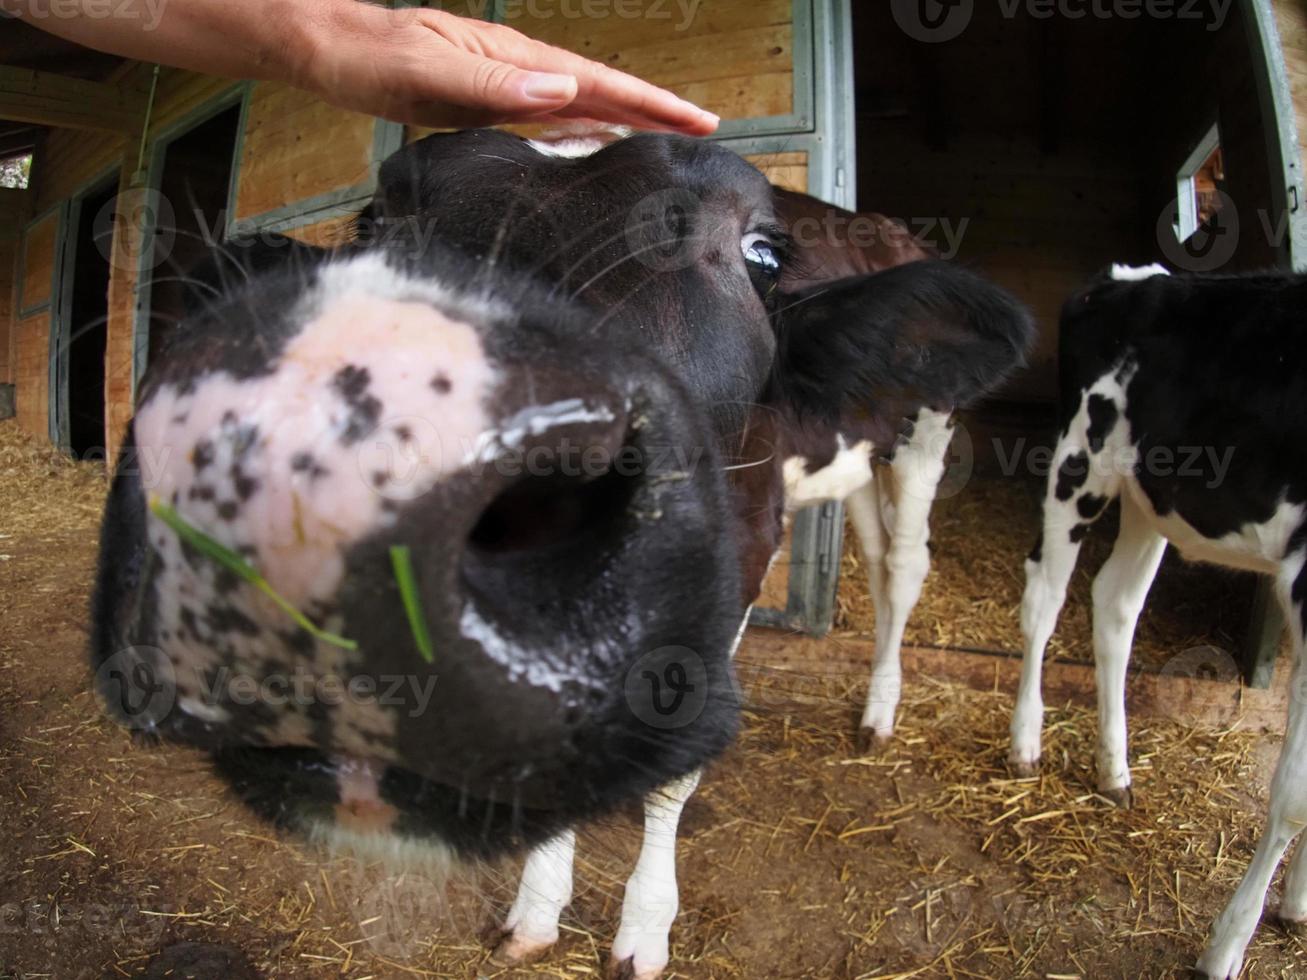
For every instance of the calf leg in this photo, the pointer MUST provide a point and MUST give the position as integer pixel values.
(546, 888)
(1079, 488)
(1119, 592)
(864, 510)
(649, 906)
(902, 495)
(1286, 818)
(1048, 570)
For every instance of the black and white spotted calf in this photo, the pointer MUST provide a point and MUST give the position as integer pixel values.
(1185, 397)
(495, 471)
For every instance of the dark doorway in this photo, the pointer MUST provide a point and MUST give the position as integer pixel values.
(196, 175)
(88, 326)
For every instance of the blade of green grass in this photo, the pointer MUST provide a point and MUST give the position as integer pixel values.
(234, 563)
(401, 560)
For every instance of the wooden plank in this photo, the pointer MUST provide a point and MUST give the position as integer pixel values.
(331, 233)
(32, 374)
(297, 147)
(74, 103)
(71, 159)
(8, 280)
(735, 59)
(38, 262)
(1291, 22)
(788, 170)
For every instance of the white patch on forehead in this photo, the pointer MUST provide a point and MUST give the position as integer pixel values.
(849, 469)
(1129, 273)
(573, 144)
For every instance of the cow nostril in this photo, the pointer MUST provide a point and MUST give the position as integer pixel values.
(542, 513)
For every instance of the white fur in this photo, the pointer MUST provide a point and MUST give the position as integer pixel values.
(544, 892)
(579, 142)
(1130, 273)
(850, 469)
(646, 924)
(651, 900)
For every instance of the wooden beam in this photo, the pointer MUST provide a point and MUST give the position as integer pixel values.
(46, 99)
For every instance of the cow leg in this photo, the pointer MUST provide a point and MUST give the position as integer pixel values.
(1285, 819)
(1119, 592)
(1078, 492)
(863, 506)
(640, 951)
(545, 889)
(905, 491)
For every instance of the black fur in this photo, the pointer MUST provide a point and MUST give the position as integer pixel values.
(927, 334)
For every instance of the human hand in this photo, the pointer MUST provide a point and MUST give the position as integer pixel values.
(432, 68)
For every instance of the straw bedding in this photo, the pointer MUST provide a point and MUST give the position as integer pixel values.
(800, 858)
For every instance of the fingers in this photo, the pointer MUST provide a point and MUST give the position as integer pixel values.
(601, 92)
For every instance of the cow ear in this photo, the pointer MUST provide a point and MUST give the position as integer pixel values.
(826, 242)
(924, 335)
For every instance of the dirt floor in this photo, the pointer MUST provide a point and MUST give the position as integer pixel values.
(980, 537)
(800, 859)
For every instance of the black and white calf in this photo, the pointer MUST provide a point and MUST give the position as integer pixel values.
(886, 478)
(1185, 397)
(476, 484)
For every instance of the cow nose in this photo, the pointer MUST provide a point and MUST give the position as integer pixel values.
(463, 546)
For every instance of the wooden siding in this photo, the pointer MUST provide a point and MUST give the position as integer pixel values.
(71, 159)
(788, 170)
(32, 373)
(120, 342)
(8, 264)
(38, 261)
(297, 147)
(1291, 21)
(330, 233)
(735, 59)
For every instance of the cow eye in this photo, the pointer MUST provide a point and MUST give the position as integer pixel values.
(763, 259)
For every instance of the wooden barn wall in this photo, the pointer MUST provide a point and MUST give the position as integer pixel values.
(8, 262)
(71, 159)
(296, 147)
(735, 59)
(1291, 21)
(36, 263)
(14, 211)
(119, 341)
(31, 373)
(1206, 77)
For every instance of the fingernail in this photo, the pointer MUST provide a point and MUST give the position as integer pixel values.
(549, 88)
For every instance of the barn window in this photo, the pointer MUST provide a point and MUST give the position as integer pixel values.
(1198, 185)
(16, 171)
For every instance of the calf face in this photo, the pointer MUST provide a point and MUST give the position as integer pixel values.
(442, 534)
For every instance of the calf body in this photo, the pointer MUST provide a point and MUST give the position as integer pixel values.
(1185, 398)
